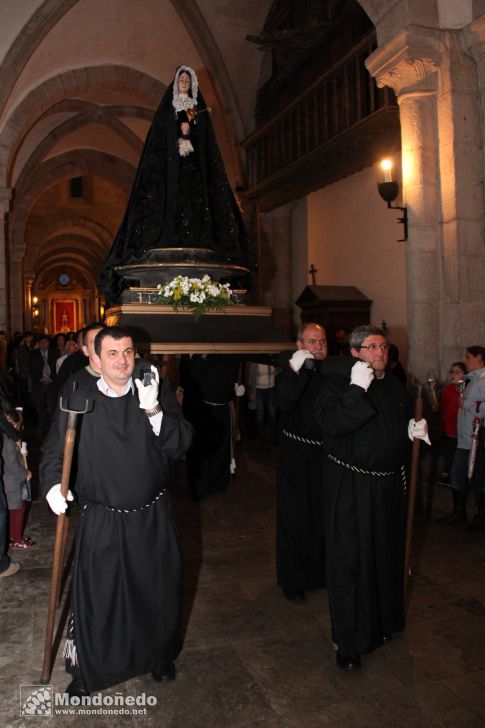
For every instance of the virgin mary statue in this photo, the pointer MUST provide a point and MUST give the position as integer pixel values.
(181, 197)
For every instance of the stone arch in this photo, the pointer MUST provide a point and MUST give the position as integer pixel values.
(50, 12)
(73, 264)
(42, 20)
(71, 164)
(90, 112)
(91, 228)
(71, 244)
(67, 84)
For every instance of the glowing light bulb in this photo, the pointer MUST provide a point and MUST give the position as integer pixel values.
(386, 166)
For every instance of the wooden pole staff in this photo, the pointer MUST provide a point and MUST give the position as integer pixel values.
(60, 540)
(418, 415)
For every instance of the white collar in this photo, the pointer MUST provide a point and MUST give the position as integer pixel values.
(104, 388)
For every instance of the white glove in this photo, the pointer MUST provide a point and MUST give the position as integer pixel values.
(239, 389)
(56, 500)
(296, 361)
(362, 375)
(148, 394)
(419, 430)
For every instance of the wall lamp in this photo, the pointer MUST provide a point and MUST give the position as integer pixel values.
(389, 190)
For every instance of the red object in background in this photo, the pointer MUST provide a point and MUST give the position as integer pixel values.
(450, 400)
(64, 316)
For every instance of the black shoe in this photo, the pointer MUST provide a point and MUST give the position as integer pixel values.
(294, 596)
(386, 638)
(166, 675)
(458, 516)
(77, 688)
(477, 523)
(458, 513)
(347, 662)
(445, 519)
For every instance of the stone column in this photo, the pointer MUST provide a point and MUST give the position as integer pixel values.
(16, 296)
(28, 279)
(461, 184)
(475, 40)
(435, 83)
(412, 73)
(5, 197)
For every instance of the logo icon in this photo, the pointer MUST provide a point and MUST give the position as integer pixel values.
(36, 700)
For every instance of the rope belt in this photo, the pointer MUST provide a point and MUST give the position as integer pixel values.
(128, 510)
(305, 440)
(383, 474)
(213, 404)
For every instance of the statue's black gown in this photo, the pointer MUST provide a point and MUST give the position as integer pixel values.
(179, 201)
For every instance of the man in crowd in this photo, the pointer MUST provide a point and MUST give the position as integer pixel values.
(42, 373)
(81, 359)
(22, 368)
(364, 413)
(300, 547)
(126, 593)
(472, 405)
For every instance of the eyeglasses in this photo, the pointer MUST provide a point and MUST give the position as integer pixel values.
(374, 347)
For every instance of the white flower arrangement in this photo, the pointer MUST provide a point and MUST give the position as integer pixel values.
(197, 294)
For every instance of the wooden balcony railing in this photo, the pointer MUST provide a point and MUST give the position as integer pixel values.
(338, 100)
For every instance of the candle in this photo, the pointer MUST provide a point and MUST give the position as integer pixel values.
(386, 166)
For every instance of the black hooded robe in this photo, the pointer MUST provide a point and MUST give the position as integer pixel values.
(365, 504)
(127, 575)
(208, 383)
(300, 539)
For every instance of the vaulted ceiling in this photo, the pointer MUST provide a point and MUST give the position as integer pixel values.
(79, 82)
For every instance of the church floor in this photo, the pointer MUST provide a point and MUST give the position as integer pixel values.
(251, 659)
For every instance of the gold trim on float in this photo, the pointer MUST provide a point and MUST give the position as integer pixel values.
(154, 266)
(155, 309)
(182, 249)
(155, 289)
(216, 347)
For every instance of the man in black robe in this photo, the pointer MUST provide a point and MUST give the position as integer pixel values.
(81, 363)
(363, 412)
(210, 384)
(300, 541)
(126, 585)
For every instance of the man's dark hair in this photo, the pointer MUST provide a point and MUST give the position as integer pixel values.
(477, 351)
(115, 332)
(43, 337)
(360, 334)
(90, 327)
(393, 353)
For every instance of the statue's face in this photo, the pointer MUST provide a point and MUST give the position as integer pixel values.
(184, 83)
